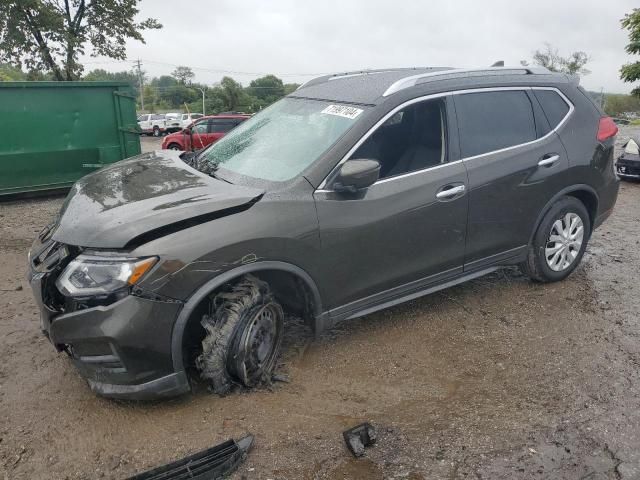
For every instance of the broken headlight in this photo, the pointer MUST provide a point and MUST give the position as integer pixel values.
(89, 275)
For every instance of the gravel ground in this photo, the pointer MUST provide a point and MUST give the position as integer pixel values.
(497, 378)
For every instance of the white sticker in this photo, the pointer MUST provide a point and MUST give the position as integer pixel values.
(343, 111)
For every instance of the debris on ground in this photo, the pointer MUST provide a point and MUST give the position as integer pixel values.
(359, 437)
(210, 464)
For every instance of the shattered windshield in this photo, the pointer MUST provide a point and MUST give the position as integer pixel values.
(279, 142)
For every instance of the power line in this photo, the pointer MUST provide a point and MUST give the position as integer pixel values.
(212, 70)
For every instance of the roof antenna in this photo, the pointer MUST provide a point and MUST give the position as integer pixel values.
(499, 63)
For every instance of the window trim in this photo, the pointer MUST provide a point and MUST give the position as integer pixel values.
(321, 188)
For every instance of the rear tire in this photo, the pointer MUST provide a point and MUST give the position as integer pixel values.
(243, 336)
(559, 242)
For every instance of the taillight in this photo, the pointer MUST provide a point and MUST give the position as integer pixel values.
(606, 129)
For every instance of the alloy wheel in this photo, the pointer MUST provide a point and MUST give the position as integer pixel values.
(564, 243)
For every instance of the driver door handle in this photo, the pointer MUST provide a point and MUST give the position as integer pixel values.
(548, 160)
(450, 192)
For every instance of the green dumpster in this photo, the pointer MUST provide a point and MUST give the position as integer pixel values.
(53, 133)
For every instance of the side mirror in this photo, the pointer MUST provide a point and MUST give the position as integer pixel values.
(356, 175)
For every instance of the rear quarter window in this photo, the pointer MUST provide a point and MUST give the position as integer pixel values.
(490, 121)
(555, 108)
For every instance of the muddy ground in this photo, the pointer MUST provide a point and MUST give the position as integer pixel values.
(497, 378)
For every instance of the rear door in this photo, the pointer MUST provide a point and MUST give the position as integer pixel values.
(516, 163)
(218, 128)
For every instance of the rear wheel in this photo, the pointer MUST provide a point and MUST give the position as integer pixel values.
(243, 336)
(560, 241)
(156, 131)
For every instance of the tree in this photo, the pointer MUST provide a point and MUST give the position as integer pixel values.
(550, 59)
(631, 71)
(183, 74)
(231, 93)
(101, 75)
(51, 34)
(9, 73)
(617, 104)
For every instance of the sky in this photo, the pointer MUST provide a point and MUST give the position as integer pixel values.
(296, 40)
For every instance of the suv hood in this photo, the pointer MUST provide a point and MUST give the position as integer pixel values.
(113, 206)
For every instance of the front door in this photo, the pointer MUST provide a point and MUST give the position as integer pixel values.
(408, 229)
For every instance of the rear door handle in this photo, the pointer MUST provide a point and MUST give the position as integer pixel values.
(548, 160)
(450, 192)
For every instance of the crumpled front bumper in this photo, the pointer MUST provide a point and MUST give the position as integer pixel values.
(122, 349)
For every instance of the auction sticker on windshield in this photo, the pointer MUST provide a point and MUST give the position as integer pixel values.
(342, 111)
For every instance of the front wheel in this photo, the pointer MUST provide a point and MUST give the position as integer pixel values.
(174, 146)
(156, 131)
(243, 336)
(559, 242)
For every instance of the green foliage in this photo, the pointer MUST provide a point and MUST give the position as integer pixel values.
(631, 71)
(9, 73)
(101, 75)
(265, 90)
(49, 35)
(183, 74)
(552, 60)
(616, 104)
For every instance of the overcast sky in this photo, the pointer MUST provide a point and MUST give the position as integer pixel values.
(292, 38)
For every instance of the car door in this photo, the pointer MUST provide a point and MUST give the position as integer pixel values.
(200, 135)
(143, 122)
(406, 231)
(516, 164)
(219, 127)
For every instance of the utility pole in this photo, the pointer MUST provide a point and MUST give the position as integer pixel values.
(138, 64)
(202, 90)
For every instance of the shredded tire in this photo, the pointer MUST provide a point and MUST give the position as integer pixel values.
(229, 311)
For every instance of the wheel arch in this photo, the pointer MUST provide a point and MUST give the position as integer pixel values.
(265, 270)
(585, 193)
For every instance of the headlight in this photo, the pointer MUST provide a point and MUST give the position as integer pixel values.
(88, 275)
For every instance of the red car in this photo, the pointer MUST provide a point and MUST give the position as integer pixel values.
(203, 132)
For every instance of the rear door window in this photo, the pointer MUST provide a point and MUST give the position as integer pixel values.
(555, 108)
(490, 121)
(221, 126)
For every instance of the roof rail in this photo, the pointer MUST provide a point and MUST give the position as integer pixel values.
(413, 80)
(355, 73)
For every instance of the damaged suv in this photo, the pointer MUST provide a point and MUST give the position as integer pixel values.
(354, 193)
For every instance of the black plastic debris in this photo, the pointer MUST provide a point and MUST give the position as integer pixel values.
(211, 464)
(359, 437)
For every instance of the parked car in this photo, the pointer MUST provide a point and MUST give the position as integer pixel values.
(202, 132)
(152, 123)
(173, 122)
(354, 193)
(189, 118)
(628, 164)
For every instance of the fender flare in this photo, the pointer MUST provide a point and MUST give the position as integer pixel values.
(216, 282)
(570, 189)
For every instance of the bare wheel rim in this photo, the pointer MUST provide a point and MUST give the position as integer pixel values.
(257, 345)
(564, 243)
